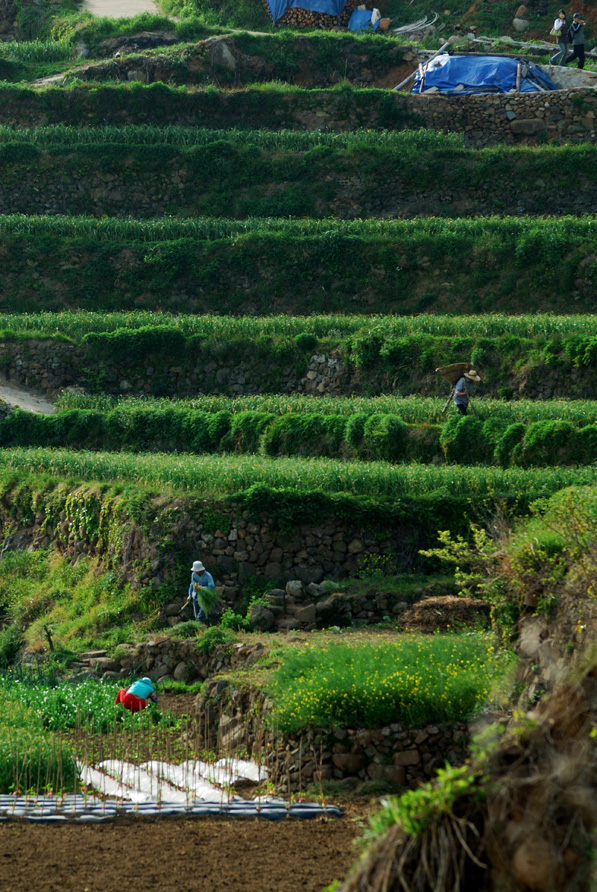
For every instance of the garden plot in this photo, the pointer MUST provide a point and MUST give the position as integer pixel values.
(160, 788)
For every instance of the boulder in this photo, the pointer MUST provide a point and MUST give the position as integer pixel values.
(180, 672)
(295, 589)
(262, 619)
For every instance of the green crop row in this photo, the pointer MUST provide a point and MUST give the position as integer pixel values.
(75, 324)
(411, 409)
(516, 237)
(218, 476)
(362, 436)
(408, 142)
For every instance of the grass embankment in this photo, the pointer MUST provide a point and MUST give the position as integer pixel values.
(261, 174)
(215, 265)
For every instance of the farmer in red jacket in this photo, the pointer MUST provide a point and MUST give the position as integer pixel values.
(138, 695)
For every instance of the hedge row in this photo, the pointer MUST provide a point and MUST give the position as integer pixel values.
(362, 436)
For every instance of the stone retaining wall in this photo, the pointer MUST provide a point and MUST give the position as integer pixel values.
(51, 367)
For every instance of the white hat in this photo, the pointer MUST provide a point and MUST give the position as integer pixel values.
(197, 567)
(472, 375)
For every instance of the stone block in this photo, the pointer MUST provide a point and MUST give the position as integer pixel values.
(527, 126)
(180, 672)
(348, 763)
(407, 757)
(305, 614)
(295, 589)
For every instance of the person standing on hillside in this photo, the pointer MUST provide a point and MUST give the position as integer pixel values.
(463, 390)
(200, 578)
(576, 35)
(561, 27)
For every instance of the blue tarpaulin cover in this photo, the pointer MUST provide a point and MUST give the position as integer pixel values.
(480, 74)
(330, 7)
(360, 20)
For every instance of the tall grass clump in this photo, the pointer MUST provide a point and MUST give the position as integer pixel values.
(415, 681)
(30, 759)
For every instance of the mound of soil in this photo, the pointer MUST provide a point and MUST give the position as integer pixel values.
(443, 613)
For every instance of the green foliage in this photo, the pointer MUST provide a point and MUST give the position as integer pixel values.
(214, 637)
(234, 622)
(11, 641)
(415, 681)
(416, 810)
(464, 441)
(138, 344)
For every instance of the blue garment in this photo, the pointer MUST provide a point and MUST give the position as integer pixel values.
(360, 20)
(462, 399)
(205, 580)
(142, 688)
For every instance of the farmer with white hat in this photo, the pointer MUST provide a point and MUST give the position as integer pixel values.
(200, 578)
(463, 390)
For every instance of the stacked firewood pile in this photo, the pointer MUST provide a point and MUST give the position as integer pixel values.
(304, 18)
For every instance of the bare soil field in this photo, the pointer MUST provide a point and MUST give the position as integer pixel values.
(172, 855)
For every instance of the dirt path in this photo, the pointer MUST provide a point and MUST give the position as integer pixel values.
(169, 855)
(25, 399)
(119, 9)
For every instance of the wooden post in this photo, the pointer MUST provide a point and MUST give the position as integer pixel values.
(412, 76)
(518, 72)
(449, 400)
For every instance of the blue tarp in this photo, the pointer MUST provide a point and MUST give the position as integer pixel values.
(331, 7)
(360, 20)
(480, 74)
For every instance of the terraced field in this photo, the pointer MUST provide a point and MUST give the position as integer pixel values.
(157, 253)
(239, 316)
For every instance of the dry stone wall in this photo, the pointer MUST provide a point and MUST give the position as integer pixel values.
(52, 367)
(233, 543)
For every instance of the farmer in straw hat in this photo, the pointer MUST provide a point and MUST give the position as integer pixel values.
(463, 390)
(200, 578)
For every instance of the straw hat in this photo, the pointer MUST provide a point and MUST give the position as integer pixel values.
(197, 567)
(472, 375)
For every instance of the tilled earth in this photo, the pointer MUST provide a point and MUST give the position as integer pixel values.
(177, 855)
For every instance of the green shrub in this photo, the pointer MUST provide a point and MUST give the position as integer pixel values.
(136, 343)
(384, 437)
(508, 441)
(213, 638)
(11, 641)
(306, 341)
(547, 443)
(234, 621)
(309, 434)
(464, 441)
